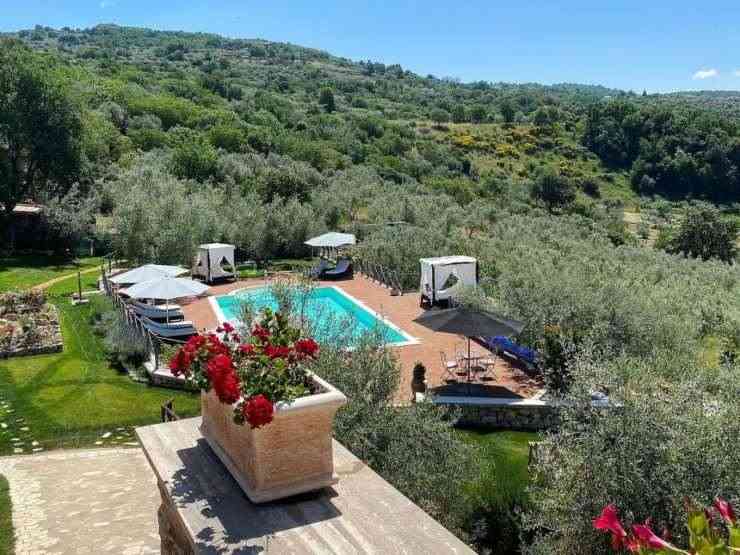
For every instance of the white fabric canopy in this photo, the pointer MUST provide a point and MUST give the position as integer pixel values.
(167, 288)
(211, 260)
(148, 272)
(332, 239)
(435, 273)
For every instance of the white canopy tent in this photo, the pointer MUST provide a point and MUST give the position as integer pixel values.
(330, 244)
(332, 240)
(441, 276)
(211, 259)
(147, 272)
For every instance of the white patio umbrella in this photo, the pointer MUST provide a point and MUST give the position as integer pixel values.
(167, 288)
(148, 272)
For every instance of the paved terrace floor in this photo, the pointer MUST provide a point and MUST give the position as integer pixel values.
(83, 501)
(511, 380)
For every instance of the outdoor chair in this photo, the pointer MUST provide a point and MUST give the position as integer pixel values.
(317, 271)
(175, 329)
(528, 357)
(157, 312)
(343, 269)
(449, 367)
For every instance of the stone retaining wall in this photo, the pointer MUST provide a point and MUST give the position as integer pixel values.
(527, 414)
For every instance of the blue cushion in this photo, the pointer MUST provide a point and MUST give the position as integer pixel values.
(507, 345)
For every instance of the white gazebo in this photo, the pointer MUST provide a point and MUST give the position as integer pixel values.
(211, 259)
(331, 242)
(441, 276)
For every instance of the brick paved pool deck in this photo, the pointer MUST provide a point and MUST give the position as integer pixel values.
(510, 379)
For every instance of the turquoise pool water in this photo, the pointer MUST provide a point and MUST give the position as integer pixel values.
(331, 313)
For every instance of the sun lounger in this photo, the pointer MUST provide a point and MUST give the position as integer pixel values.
(320, 268)
(528, 356)
(157, 312)
(173, 329)
(343, 269)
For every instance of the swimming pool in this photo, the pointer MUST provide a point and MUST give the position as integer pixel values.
(332, 313)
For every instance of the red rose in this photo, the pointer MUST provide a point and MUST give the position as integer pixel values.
(277, 351)
(247, 349)
(228, 328)
(224, 380)
(307, 347)
(258, 411)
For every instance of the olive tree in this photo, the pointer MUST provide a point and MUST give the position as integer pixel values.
(656, 444)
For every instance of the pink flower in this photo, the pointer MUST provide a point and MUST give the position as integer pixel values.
(648, 538)
(228, 328)
(725, 510)
(608, 521)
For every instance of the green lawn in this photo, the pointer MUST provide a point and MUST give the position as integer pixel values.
(505, 456)
(75, 397)
(68, 286)
(500, 492)
(25, 271)
(6, 522)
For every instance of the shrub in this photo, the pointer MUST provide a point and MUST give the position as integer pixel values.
(680, 431)
(554, 190)
(705, 234)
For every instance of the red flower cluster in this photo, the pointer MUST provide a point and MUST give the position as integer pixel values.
(180, 363)
(258, 411)
(263, 334)
(223, 378)
(277, 351)
(642, 539)
(306, 348)
(251, 374)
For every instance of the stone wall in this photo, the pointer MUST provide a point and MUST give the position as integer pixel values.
(519, 415)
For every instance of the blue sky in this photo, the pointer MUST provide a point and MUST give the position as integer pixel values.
(656, 45)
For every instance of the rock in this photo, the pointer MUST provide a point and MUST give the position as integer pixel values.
(17, 450)
(98, 443)
(34, 443)
(38, 449)
(3, 425)
(25, 429)
(106, 435)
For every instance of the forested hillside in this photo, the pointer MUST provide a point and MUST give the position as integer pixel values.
(604, 220)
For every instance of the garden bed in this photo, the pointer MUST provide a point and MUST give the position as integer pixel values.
(28, 325)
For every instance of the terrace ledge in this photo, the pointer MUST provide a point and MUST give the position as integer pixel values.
(203, 510)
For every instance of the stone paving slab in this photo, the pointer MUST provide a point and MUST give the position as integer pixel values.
(83, 501)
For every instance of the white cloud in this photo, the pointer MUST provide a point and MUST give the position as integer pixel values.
(736, 73)
(107, 3)
(705, 74)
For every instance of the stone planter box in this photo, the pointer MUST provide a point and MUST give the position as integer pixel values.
(291, 455)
